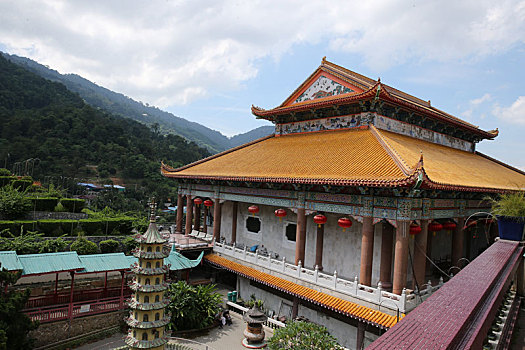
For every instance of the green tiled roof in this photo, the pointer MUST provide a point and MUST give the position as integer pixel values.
(9, 260)
(50, 262)
(180, 262)
(105, 262)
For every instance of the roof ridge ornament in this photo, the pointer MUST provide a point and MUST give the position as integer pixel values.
(153, 210)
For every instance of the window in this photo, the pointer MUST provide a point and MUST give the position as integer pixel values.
(145, 318)
(157, 264)
(157, 298)
(134, 334)
(146, 299)
(291, 231)
(147, 281)
(148, 265)
(149, 249)
(157, 334)
(157, 280)
(157, 249)
(138, 298)
(253, 224)
(139, 279)
(145, 336)
(157, 316)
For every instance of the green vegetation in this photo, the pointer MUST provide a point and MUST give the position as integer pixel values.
(42, 120)
(510, 204)
(192, 307)
(14, 324)
(14, 204)
(299, 335)
(84, 247)
(109, 246)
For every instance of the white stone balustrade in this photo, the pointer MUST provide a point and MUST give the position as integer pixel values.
(404, 302)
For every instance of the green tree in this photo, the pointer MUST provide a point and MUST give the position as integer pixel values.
(84, 247)
(299, 335)
(109, 246)
(14, 324)
(13, 203)
(192, 307)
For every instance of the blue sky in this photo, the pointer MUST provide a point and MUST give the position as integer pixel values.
(209, 61)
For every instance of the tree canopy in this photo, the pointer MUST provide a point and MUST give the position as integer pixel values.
(300, 335)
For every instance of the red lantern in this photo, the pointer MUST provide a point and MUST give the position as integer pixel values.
(253, 209)
(197, 201)
(344, 223)
(280, 213)
(208, 203)
(435, 226)
(320, 219)
(415, 229)
(449, 226)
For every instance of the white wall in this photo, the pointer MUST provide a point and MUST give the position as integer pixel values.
(341, 250)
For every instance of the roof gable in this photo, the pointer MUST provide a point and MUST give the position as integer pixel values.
(321, 84)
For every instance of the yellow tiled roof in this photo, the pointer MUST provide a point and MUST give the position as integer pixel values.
(449, 166)
(345, 307)
(327, 156)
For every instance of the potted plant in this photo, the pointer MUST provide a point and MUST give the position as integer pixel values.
(510, 212)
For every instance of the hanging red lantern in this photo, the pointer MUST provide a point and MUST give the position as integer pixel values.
(344, 223)
(414, 229)
(197, 201)
(280, 213)
(253, 209)
(320, 219)
(449, 226)
(435, 226)
(208, 203)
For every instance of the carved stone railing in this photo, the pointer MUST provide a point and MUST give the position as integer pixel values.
(374, 295)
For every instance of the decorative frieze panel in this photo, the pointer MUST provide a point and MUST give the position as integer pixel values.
(368, 206)
(382, 213)
(333, 208)
(425, 208)
(340, 122)
(336, 198)
(444, 213)
(209, 194)
(385, 202)
(404, 209)
(260, 192)
(276, 202)
(385, 123)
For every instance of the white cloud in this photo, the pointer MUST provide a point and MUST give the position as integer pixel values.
(514, 114)
(173, 52)
(478, 101)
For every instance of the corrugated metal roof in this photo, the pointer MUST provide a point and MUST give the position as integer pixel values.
(180, 262)
(9, 260)
(50, 262)
(105, 262)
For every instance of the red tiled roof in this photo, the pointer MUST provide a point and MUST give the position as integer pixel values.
(347, 308)
(459, 314)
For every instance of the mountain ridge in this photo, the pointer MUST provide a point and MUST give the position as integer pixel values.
(122, 105)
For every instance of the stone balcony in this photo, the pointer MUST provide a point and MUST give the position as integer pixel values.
(374, 297)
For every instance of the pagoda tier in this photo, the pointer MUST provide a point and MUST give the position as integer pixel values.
(134, 343)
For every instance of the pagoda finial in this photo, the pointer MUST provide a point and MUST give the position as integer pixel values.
(323, 60)
(153, 210)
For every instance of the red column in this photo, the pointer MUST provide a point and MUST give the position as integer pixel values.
(295, 307)
(217, 220)
(385, 266)
(189, 212)
(70, 313)
(319, 247)
(204, 225)
(197, 218)
(234, 221)
(105, 284)
(420, 249)
(367, 251)
(300, 236)
(400, 257)
(180, 213)
(123, 275)
(457, 242)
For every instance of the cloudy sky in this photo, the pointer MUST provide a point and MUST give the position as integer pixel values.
(209, 61)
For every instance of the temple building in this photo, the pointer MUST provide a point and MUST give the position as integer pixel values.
(353, 209)
(147, 317)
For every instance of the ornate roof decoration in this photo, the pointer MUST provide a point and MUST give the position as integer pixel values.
(152, 234)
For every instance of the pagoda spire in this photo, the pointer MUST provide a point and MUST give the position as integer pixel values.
(148, 317)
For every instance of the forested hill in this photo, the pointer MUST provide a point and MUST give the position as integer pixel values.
(122, 105)
(43, 119)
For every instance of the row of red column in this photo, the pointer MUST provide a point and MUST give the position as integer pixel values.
(195, 224)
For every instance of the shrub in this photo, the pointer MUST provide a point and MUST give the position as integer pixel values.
(21, 184)
(15, 227)
(73, 205)
(60, 208)
(44, 203)
(84, 247)
(299, 335)
(192, 307)
(109, 246)
(5, 172)
(53, 246)
(510, 204)
(13, 203)
(6, 180)
(129, 244)
(92, 227)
